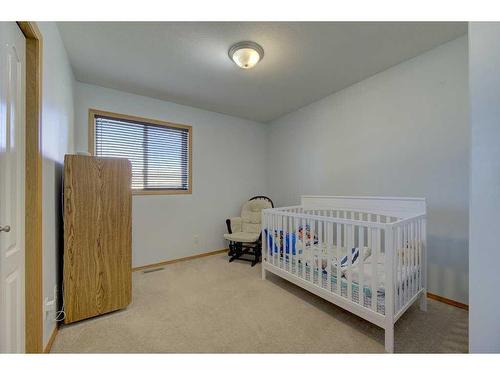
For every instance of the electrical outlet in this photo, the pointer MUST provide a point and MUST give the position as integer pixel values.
(50, 304)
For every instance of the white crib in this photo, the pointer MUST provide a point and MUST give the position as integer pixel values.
(309, 245)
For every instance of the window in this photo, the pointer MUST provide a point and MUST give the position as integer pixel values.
(160, 152)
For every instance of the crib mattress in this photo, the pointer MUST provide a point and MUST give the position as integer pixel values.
(403, 278)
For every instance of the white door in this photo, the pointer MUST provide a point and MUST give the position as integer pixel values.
(12, 151)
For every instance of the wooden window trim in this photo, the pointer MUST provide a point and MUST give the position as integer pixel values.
(91, 147)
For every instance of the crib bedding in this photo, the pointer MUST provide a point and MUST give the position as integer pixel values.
(286, 248)
(355, 270)
(344, 282)
(367, 280)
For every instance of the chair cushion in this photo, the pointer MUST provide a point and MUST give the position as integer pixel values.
(251, 214)
(242, 237)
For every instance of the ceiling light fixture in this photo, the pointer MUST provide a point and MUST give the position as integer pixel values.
(246, 54)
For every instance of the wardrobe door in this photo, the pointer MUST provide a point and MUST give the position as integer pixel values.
(97, 236)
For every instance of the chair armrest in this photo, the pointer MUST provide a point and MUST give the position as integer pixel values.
(233, 224)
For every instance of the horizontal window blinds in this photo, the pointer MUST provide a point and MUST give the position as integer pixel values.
(159, 154)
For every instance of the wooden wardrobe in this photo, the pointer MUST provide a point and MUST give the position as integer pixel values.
(97, 261)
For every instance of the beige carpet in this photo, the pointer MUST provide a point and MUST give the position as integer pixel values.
(210, 305)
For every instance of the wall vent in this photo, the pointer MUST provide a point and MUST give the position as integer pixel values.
(153, 270)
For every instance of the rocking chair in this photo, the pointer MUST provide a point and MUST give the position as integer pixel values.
(245, 232)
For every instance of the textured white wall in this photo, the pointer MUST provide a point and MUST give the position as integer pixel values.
(484, 255)
(57, 140)
(229, 166)
(402, 132)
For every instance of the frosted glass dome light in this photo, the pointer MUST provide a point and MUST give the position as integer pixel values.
(246, 54)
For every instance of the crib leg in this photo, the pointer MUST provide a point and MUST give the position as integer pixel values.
(423, 301)
(263, 271)
(389, 339)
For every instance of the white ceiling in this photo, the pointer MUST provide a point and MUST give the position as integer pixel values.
(187, 63)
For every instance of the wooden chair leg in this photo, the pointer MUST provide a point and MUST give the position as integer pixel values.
(257, 254)
(237, 250)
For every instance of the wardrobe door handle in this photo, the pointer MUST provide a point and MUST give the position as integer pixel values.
(5, 228)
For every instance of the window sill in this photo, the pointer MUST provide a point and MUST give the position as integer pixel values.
(161, 192)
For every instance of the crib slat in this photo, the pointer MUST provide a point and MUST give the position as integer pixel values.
(394, 242)
(389, 279)
(314, 248)
(307, 261)
(415, 251)
(374, 246)
(264, 234)
(310, 253)
(281, 225)
(286, 221)
(412, 286)
(395, 272)
(308, 245)
(282, 240)
(414, 258)
(316, 251)
(289, 243)
(422, 254)
(349, 246)
(405, 264)
(402, 265)
(408, 266)
(284, 227)
(276, 243)
(295, 246)
(298, 246)
(320, 252)
(415, 265)
(329, 236)
(419, 254)
(271, 234)
(361, 278)
(303, 256)
(275, 238)
(338, 256)
(398, 250)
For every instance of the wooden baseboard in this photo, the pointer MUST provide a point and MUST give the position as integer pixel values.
(448, 301)
(51, 340)
(159, 264)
